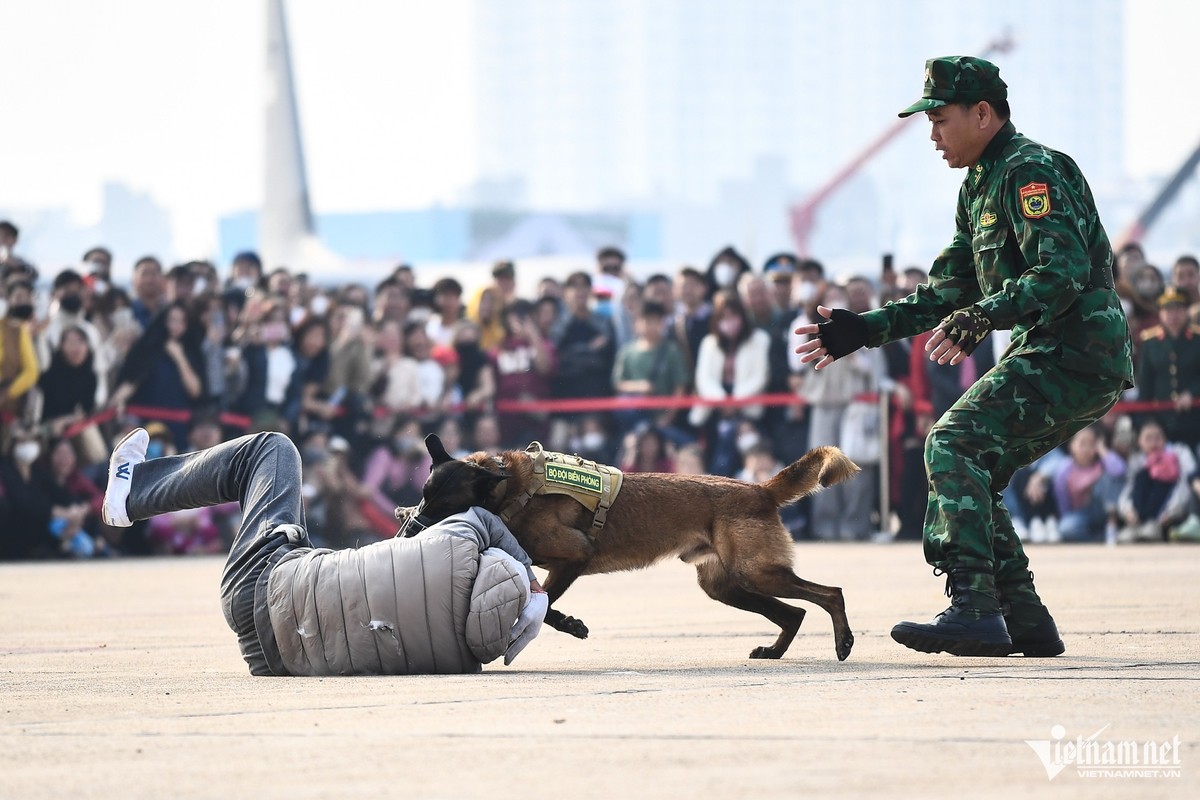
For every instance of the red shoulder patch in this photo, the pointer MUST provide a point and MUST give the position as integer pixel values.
(1035, 200)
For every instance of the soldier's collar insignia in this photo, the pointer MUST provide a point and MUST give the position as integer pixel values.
(1035, 200)
(978, 173)
(987, 219)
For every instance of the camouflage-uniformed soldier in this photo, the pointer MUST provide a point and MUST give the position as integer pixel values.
(1169, 367)
(1028, 255)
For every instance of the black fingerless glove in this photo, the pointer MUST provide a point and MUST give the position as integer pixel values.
(844, 333)
(966, 328)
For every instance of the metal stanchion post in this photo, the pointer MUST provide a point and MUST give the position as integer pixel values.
(885, 499)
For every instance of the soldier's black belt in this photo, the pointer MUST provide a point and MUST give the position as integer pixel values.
(1100, 278)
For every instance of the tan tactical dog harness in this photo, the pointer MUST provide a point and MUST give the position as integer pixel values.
(594, 486)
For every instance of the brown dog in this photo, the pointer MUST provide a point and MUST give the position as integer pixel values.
(729, 529)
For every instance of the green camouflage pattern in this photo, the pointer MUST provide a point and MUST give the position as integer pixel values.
(1028, 274)
(967, 327)
(1029, 251)
(958, 79)
(1017, 412)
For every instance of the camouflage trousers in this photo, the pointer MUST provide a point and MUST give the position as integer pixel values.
(1019, 410)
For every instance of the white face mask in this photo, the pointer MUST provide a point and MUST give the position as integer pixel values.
(99, 287)
(724, 274)
(319, 305)
(746, 440)
(27, 452)
(201, 286)
(803, 292)
(296, 315)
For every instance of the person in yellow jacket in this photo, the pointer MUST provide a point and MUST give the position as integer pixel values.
(18, 359)
(486, 305)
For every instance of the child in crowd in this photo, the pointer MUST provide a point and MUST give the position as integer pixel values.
(1156, 493)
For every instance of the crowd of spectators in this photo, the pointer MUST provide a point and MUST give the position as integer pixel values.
(595, 362)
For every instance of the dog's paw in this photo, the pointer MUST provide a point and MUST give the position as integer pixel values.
(561, 622)
(574, 627)
(844, 644)
(765, 652)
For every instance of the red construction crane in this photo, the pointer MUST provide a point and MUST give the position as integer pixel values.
(1138, 228)
(804, 215)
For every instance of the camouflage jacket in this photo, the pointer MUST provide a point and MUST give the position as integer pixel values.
(1030, 252)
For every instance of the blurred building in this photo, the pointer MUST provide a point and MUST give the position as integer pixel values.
(675, 104)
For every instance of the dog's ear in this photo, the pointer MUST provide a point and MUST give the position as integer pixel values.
(436, 449)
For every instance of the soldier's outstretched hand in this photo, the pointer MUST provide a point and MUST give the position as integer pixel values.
(841, 334)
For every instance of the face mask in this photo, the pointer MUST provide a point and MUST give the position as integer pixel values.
(724, 274)
(319, 305)
(27, 452)
(243, 283)
(23, 312)
(201, 286)
(803, 292)
(99, 287)
(747, 440)
(1146, 288)
(592, 440)
(729, 328)
(70, 303)
(155, 449)
(313, 455)
(296, 315)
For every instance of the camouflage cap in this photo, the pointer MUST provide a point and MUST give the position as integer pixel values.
(957, 79)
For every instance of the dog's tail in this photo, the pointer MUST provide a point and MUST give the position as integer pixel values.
(816, 469)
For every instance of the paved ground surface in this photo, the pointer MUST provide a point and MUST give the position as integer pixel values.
(120, 680)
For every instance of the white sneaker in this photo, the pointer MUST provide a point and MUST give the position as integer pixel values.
(129, 452)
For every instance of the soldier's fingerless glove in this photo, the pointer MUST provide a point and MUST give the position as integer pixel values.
(967, 327)
(844, 333)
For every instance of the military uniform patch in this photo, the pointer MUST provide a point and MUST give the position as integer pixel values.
(1035, 200)
(987, 219)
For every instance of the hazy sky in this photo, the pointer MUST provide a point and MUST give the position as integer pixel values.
(166, 97)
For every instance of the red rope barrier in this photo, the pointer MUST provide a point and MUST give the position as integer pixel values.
(568, 406)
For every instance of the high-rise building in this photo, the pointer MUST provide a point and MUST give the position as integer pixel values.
(598, 104)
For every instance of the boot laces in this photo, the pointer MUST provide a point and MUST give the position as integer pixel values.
(939, 572)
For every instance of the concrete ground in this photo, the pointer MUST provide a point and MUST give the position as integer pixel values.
(120, 679)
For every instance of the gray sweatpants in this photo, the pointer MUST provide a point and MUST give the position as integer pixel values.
(260, 471)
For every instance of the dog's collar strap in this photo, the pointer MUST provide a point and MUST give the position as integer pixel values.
(415, 524)
(594, 486)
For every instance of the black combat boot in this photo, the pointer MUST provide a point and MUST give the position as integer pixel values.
(1041, 641)
(1029, 623)
(971, 626)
